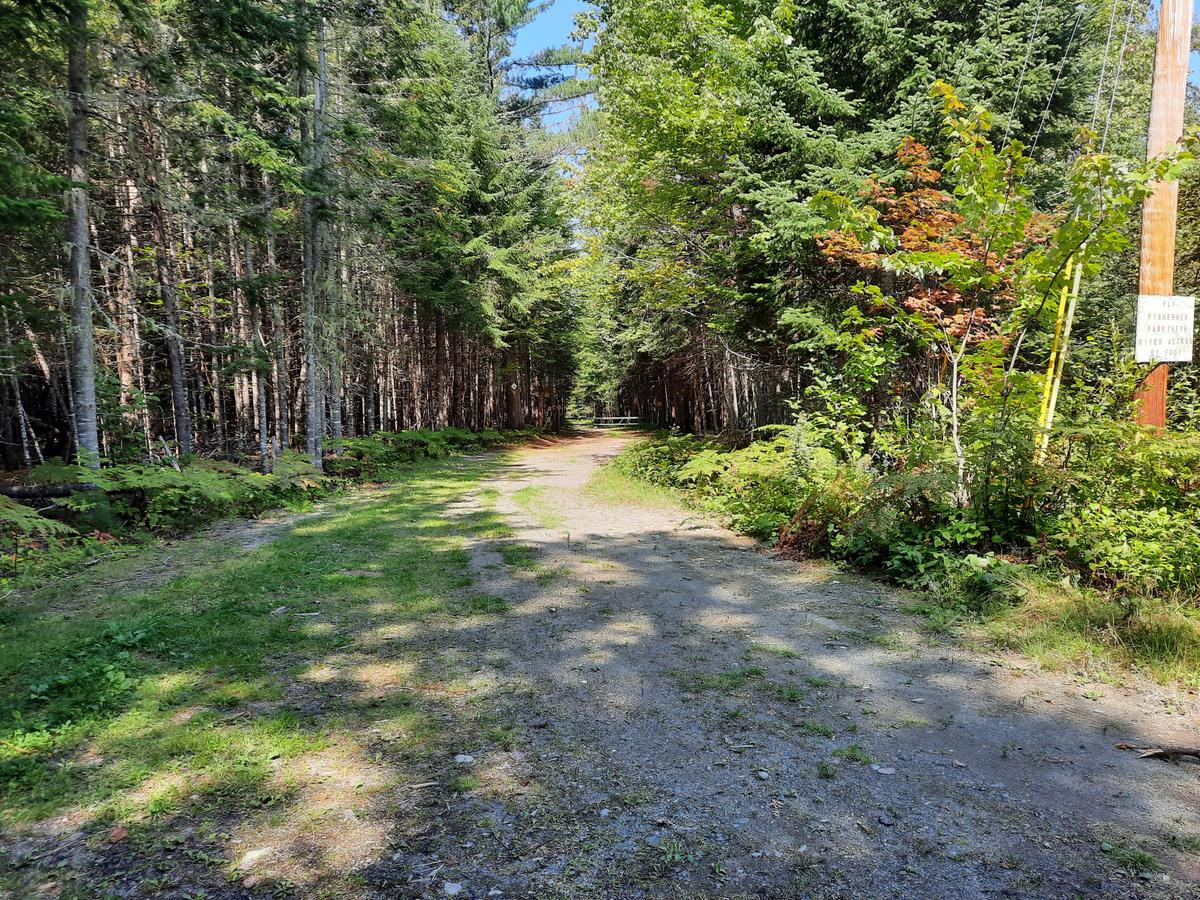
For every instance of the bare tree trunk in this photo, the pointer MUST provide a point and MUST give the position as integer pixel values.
(369, 399)
(262, 386)
(243, 406)
(337, 276)
(28, 438)
(515, 417)
(279, 342)
(130, 370)
(314, 251)
(87, 438)
(215, 360)
(168, 287)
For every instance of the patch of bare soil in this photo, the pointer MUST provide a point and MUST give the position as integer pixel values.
(700, 719)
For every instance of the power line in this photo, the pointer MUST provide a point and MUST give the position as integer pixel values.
(1033, 33)
(1117, 76)
(1112, 21)
(1062, 65)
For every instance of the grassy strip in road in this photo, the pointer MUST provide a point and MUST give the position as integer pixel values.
(143, 702)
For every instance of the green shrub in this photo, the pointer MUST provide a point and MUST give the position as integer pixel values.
(160, 498)
(1121, 507)
(659, 460)
(376, 457)
(146, 498)
(1143, 550)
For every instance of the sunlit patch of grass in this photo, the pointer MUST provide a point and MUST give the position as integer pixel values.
(775, 650)
(886, 640)
(910, 722)
(171, 687)
(503, 736)
(130, 706)
(611, 487)
(599, 563)
(533, 500)
(1186, 843)
(1132, 858)
(1066, 628)
(547, 575)
(236, 693)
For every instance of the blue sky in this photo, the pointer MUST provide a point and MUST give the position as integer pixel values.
(552, 28)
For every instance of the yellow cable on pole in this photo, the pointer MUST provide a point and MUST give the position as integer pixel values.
(1062, 344)
(1053, 363)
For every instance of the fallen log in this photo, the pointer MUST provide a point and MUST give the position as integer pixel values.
(43, 491)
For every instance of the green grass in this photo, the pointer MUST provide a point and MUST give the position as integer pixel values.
(721, 682)
(775, 650)
(482, 604)
(1069, 628)
(788, 692)
(886, 640)
(817, 729)
(1135, 859)
(1186, 843)
(519, 556)
(548, 575)
(128, 703)
(533, 501)
(464, 784)
(611, 487)
(854, 753)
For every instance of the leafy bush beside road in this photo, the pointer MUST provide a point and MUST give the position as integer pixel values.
(1132, 556)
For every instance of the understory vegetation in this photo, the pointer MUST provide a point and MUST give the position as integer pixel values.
(117, 693)
(890, 287)
(1093, 575)
(118, 508)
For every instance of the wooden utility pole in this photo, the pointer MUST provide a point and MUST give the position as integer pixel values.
(1159, 213)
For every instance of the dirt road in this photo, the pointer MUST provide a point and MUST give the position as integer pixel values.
(493, 679)
(707, 719)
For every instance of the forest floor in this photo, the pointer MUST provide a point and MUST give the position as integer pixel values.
(518, 676)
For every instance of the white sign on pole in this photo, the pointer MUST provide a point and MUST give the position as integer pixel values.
(1165, 327)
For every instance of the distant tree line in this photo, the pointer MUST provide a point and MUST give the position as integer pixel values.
(237, 226)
